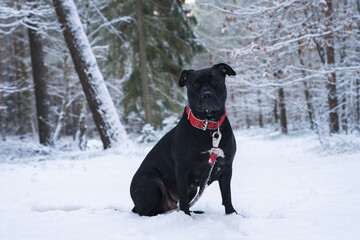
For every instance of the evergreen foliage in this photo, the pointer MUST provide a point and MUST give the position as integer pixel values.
(170, 44)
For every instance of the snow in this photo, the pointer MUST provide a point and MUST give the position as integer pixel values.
(282, 189)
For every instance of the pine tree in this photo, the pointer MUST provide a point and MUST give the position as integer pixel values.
(169, 45)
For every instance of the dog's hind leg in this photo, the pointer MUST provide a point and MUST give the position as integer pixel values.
(134, 210)
(147, 198)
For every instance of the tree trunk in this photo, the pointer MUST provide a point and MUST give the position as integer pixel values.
(309, 106)
(344, 120)
(261, 121)
(17, 112)
(96, 92)
(143, 68)
(63, 112)
(358, 84)
(81, 131)
(2, 100)
(275, 112)
(40, 86)
(358, 104)
(2, 118)
(12, 125)
(247, 115)
(25, 95)
(283, 121)
(331, 83)
(17, 96)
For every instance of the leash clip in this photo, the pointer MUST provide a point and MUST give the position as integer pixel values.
(216, 137)
(215, 150)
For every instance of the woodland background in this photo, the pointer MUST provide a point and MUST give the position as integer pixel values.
(297, 64)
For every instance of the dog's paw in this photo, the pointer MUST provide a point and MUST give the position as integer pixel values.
(230, 211)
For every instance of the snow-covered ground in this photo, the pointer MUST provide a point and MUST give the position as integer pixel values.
(283, 187)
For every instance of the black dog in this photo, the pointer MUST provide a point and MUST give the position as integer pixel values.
(182, 162)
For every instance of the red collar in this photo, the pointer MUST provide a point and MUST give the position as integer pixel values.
(203, 124)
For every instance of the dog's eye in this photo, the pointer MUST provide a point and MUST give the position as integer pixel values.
(195, 85)
(214, 81)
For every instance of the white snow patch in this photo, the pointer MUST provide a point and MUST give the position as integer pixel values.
(281, 187)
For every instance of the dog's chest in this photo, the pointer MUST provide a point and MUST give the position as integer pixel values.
(201, 171)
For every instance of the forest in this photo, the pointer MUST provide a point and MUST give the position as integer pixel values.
(113, 74)
(88, 87)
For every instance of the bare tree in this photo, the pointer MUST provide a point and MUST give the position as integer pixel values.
(331, 84)
(96, 92)
(40, 83)
(303, 38)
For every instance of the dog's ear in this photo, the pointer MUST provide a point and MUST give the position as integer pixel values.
(183, 77)
(225, 69)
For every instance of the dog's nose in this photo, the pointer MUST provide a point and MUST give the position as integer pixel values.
(207, 94)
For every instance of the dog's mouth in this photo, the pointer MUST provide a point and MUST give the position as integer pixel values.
(208, 111)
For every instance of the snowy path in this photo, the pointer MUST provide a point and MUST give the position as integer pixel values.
(280, 190)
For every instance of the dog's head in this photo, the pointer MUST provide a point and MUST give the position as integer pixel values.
(206, 90)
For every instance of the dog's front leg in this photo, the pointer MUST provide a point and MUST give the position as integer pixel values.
(224, 183)
(182, 189)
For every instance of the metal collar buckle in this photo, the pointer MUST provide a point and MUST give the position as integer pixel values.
(205, 125)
